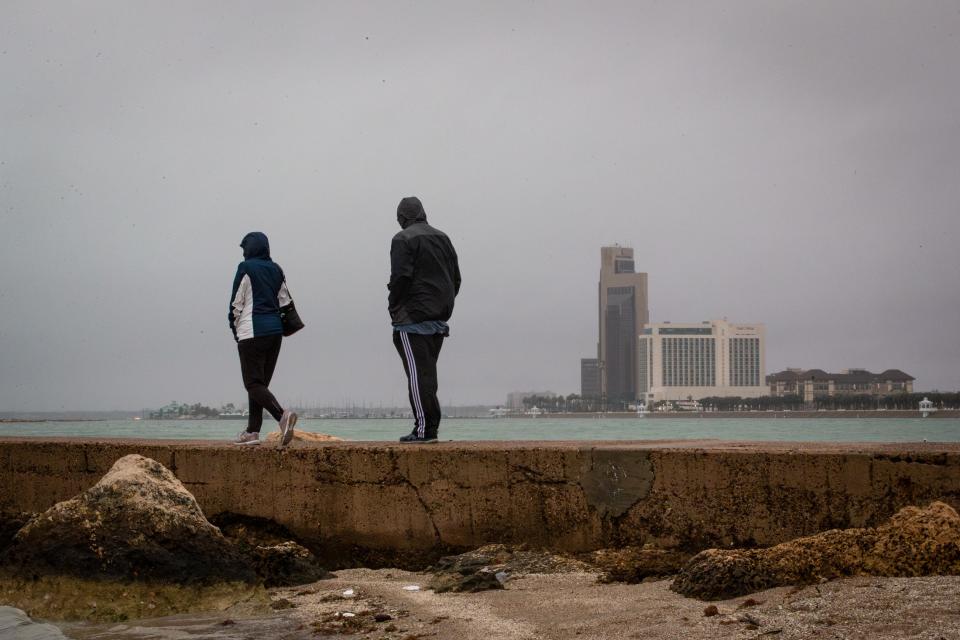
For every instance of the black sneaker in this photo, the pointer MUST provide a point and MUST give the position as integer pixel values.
(413, 438)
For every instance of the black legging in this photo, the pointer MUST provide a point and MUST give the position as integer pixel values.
(258, 358)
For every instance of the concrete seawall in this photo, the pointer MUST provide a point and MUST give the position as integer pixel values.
(383, 503)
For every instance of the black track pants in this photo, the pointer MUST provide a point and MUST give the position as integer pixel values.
(419, 354)
(258, 358)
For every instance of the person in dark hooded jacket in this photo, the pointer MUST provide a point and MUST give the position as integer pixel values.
(424, 281)
(259, 290)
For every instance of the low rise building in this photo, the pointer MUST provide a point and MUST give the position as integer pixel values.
(817, 383)
(681, 361)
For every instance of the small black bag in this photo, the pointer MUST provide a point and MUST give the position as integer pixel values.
(290, 319)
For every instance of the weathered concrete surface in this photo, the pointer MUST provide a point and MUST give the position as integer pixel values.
(380, 502)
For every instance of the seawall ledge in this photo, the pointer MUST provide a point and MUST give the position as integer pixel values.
(714, 445)
(383, 502)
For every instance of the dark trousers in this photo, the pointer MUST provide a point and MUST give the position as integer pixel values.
(419, 354)
(258, 358)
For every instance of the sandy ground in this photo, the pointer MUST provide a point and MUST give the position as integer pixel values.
(574, 606)
(566, 606)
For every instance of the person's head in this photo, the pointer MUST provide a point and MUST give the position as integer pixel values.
(409, 211)
(255, 245)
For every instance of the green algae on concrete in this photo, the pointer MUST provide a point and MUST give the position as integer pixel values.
(69, 598)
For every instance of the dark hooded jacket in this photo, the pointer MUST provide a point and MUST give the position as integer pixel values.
(258, 292)
(424, 272)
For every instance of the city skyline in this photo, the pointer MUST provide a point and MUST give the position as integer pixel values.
(642, 361)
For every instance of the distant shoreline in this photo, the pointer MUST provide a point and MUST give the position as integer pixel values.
(947, 413)
(31, 420)
(620, 415)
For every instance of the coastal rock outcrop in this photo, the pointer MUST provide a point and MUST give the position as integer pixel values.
(278, 559)
(492, 565)
(636, 564)
(137, 523)
(10, 523)
(287, 564)
(914, 542)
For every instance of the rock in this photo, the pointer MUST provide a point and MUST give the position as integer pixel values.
(636, 564)
(280, 604)
(10, 523)
(287, 564)
(748, 619)
(345, 623)
(137, 523)
(467, 563)
(304, 437)
(15, 624)
(249, 532)
(470, 572)
(490, 566)
(279, 560)
(479, 581)
(711, 611)
(914, 542)
(512, 560)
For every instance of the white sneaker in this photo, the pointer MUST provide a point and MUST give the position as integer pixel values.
(287, 422)
(246, 437)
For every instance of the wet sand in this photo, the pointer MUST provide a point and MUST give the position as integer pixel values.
(573, 606)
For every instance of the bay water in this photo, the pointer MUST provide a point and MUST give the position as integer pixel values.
(851, 429)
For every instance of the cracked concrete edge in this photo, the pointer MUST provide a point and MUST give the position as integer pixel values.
(428, 512)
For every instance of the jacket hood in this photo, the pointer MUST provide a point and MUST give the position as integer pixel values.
(255, 245)
(409, 211)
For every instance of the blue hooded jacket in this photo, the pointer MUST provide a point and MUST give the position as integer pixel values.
(259, 290)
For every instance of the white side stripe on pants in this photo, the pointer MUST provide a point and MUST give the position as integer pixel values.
(414, 383)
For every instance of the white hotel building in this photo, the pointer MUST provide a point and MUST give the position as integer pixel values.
(717, 358)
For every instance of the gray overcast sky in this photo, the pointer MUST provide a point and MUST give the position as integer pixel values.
(791, 163)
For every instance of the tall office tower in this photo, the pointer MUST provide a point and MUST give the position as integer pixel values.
(623, 311)
(589, 378)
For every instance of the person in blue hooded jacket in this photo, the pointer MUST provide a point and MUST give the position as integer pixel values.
(259, 290)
